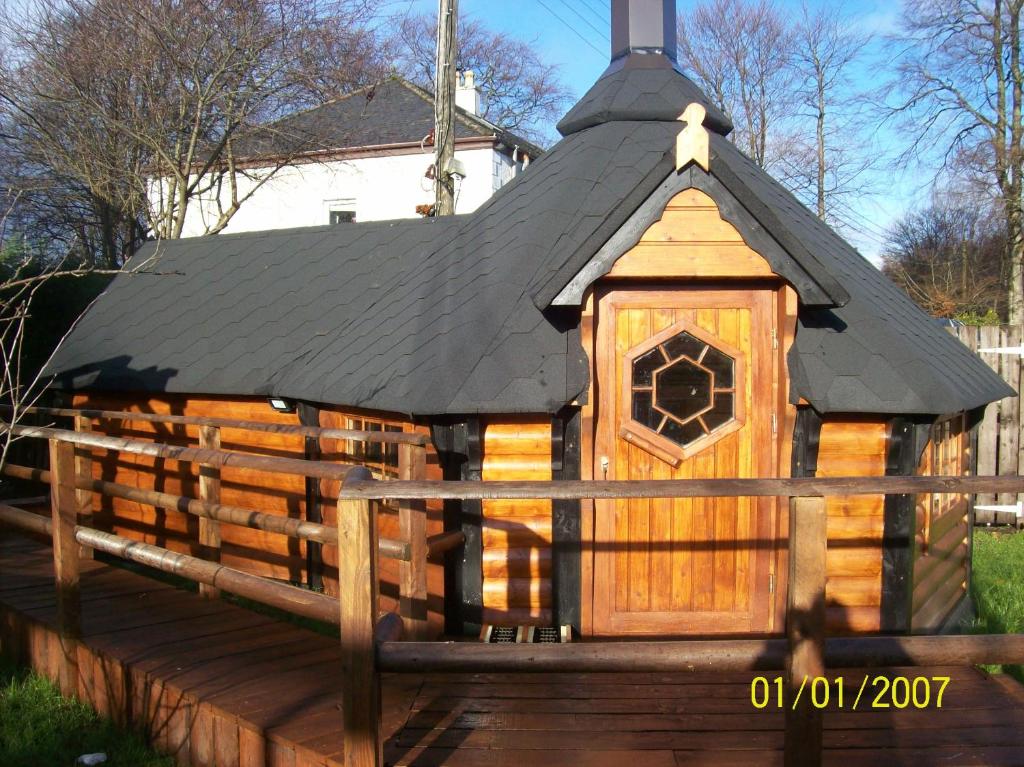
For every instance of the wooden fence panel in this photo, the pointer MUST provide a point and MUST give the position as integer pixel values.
(1000, 447)
(1009, 408)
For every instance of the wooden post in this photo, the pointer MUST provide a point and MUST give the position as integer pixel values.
(444, 108)
(412, 519)
(64, 509)
(805, 630)
(357, 594)
(209, 492)
(83, 469)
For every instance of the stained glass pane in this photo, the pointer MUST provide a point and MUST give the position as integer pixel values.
(684, 345)
(683, 389)
(682, 434)
(643, 411)
(644, 367)
(721, 365)
(721, 412)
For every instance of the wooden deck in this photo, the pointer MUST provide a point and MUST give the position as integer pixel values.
(219, 685)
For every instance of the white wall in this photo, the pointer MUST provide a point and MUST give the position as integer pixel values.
(376, 188)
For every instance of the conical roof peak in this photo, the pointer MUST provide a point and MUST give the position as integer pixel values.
(641, 87)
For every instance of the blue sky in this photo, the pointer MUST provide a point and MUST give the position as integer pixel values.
(573, 34)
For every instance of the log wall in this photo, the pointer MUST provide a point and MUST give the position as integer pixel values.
(853, 447)
(517, 534)
(941, 534)
(253, 551)
(382, 460)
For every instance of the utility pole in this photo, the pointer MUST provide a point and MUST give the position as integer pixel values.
(444, 109)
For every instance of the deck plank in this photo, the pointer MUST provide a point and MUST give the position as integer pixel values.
(222, 685)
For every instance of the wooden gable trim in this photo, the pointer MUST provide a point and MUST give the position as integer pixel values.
(730, 210)
(691, 239)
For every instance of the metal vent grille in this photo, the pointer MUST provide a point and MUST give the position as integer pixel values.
(526, 634)
(503, 635)
(546, 635)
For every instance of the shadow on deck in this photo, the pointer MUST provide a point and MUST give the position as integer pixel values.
(221, 686)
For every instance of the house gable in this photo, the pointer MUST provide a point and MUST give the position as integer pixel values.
(691, 239)
(722, 217)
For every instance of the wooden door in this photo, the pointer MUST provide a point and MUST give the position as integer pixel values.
(685, 390)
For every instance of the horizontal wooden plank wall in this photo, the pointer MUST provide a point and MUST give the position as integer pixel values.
(382, 460)
(253, 551)
(853, 447)
(940, 534)
(517, 534)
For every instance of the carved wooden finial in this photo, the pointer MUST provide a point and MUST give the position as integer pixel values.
(692, 143)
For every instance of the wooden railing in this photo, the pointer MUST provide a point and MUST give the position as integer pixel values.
(72, 486)
(371, 646)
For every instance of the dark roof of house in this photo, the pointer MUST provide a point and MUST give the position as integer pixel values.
(394, 111)
(456, 316)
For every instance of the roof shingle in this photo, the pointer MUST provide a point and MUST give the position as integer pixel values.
(454, 315)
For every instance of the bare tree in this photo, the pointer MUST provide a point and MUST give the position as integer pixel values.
(147, 106)
(520, 91)
(959, 87)
(740, 52)
(24, 275)
(837, 158)
(947, 258)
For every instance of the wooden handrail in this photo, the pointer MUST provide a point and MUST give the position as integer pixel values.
(444, 542)
(25, 521)
(232, 515)
(694, 655)
(264, 590)
(677, 488)
(386, 437)
(221, 458)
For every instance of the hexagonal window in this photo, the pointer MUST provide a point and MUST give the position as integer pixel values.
(683, 389)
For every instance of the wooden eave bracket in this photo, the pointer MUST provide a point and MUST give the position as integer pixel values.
(693, 141)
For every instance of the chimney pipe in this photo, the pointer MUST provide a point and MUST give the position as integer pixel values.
(644, 26)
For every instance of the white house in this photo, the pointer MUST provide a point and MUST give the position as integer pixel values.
(374, 152)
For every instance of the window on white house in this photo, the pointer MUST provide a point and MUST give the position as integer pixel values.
(496, 173)
(343, 217)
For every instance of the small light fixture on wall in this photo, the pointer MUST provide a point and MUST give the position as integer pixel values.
(282, 405)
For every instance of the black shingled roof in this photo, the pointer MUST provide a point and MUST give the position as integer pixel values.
(622, 93)
(394, 111)
(454, 315)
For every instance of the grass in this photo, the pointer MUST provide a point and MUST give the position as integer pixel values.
(39, 728)
(997, 585)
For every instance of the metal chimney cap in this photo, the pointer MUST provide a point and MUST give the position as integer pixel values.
(644, 26)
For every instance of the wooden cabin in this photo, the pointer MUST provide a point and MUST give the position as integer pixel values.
(643, 302)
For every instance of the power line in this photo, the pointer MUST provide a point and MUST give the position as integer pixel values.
(843, 212)
(598, 14)
(864, 221)
(571, 28)
(600, 33)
